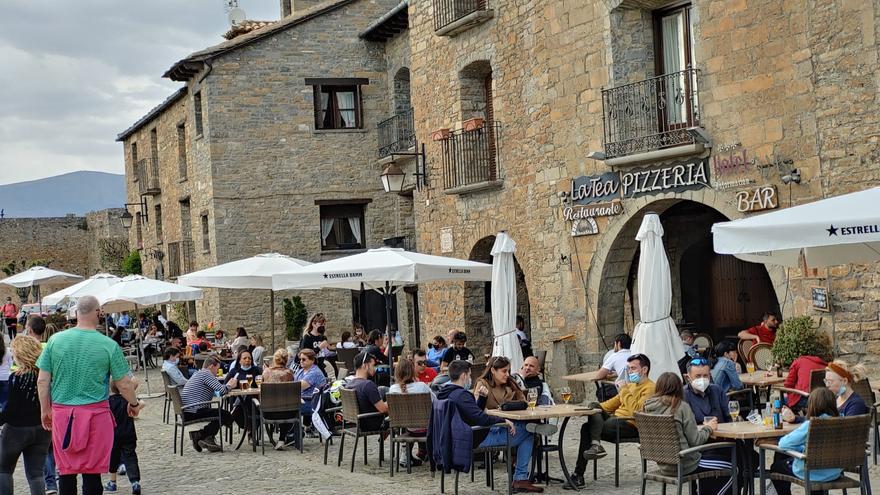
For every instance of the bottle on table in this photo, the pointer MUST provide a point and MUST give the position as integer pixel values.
(777, 415)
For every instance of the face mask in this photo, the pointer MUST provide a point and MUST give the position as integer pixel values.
(634, 377)
(841, 390)
(321, 330)
(701, 384)
(468, 384)
(245, 368)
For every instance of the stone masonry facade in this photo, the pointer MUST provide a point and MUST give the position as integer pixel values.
(794, 80)
(260, 171)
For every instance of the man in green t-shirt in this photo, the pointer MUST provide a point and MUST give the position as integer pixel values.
(75, 372)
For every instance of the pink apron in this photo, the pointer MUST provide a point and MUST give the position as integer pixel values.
(82, 437)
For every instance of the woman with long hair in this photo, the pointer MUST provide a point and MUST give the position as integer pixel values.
(5, 367)
(241, 338)
(496, 387)
(669, 400)
(22, 432)
(821, 403)
(406, 382)
(257, 349)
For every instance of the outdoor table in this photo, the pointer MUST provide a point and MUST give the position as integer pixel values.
(239, 393)
(591, 376)
(543, 413)
(762, 379)
(748, 433)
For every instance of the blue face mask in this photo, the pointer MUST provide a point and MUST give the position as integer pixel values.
(634, 377)
(245, 368)
(841, 390)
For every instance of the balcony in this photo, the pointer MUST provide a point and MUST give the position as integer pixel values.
(651, 116)
(396, 134)
(151, 187)
(452, 17)
(470, 159)
(180, 258)
(140, 175)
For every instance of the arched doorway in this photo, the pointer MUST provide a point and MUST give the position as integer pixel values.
(478, 297)
(712, 293)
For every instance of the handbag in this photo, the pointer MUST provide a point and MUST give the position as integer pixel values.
(514, 405)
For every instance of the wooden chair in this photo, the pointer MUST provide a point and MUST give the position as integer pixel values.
(279, 398)
(831, 443)
(166, 411)
(406, 411)
(703, 341)
(181, 423)
(762, 355)
(347, 358)
(351, 426)
(863, 388)
(660, 443)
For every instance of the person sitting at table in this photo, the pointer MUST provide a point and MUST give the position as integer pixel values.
(839, 377)
(201, 387)
(173, 331)
(668, 399)
(530, 378)
(496, 387)
(764, 332)
(191, 331)
(219, 338)
(457, 392)
(458, 351)
(256, 348)
(241, 338)
(800, 374)
(201, 339)
(367, 392)
(614, 363)
(424, 373)
(360, 336)
(631, 398)
(406, 382)
(278, 372)
(704, 397)
(171, 358)
(820, 404)
(310, 377)
(345, 341)
(436, 350)
(724, 373)
(374, 343)
(243, 366)
(687, 343)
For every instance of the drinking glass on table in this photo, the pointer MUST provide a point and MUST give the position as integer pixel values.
(708, 419)
(259, 380)
(750, 367)
(565, 393)
(532, 398)
(243, 384)
(250, 381)
(733, 407)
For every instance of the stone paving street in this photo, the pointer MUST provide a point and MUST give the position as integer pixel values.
(288, 472)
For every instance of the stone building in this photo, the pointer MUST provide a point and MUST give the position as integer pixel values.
(565, 122)
(272, 145)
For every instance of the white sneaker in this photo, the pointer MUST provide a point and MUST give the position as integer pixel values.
(279, 445)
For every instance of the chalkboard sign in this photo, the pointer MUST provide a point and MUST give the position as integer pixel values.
(820, 298)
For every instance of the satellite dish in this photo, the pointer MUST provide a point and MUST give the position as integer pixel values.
(236, 16)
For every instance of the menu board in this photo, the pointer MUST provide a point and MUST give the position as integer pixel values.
(819, 296)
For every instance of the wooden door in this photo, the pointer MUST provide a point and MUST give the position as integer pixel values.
(740, 293)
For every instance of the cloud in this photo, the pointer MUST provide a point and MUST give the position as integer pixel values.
(76, 73)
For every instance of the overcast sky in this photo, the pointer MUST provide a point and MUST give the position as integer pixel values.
(77, 72)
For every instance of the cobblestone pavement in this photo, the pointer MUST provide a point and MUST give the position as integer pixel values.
(289, 472)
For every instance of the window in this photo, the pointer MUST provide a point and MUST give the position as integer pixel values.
(674, 51)
(337, 103)
(139, 233)
(181, 151)
(197, 108)
(206, 241)
(158, 215)
(342, 226)
(134, 161)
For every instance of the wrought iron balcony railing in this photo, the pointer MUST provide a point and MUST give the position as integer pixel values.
(448, 11)
(652, 114)
(152, 182)
(396, 133)
(471, 157)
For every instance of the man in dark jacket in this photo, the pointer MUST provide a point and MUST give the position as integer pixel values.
(457, 392)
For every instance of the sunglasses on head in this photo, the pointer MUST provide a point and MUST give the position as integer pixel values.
(421, 363)
(699, 362)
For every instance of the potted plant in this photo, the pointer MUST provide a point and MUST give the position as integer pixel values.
(295, 317)
(799, 337)
(473, 124)
(441, 134)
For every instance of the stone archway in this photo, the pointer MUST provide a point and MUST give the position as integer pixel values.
(612, 288)
(477, 299)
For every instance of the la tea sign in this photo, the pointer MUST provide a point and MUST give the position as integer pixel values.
(757, 199)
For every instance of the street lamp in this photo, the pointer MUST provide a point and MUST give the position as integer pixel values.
(392, 178)
(127, 217)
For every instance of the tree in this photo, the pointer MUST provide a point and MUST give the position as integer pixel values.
(113, 253)
(295, 316)
(131, 265)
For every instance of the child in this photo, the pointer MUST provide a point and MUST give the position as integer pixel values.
(124, 443)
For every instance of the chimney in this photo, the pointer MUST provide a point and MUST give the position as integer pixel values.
(289, 7)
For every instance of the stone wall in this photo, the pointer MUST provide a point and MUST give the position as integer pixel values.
(794, 80)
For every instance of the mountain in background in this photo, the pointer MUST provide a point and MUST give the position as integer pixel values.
(76, 192)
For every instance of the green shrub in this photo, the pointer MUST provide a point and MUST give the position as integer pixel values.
(799, 337)
(295, 316)
(131, 265)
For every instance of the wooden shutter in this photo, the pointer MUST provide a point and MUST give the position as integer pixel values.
(490, 126)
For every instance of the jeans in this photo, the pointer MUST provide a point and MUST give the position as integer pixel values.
(523, 441)
(125, 453)
(30, 441)
(49, 471)
(601, 427)
(91, 484)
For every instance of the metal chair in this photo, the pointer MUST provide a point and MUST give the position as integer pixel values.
(166, 411)
(406, 411)
(831, 443)
(703, 341)
(181, 423)
(762, 355)
(351, 426)
(660, 443)
(617, 441)
(347, 358)
(864, 390)
(279, 398)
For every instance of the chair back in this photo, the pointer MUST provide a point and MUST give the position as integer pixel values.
(761, 354)
(166, 379)
(409, 410)
(863, 389)
(174, 392)
(817, 379)
(347, 357)
(743, 348)
(703, 341)
(280, 397)
(837, 442)
(541, 356)
(350, 408)
(658, 436)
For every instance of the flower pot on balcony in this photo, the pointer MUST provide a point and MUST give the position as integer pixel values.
(473, 124)
(440, 134)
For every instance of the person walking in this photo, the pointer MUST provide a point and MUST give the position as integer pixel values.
(73, 391)
(10, 315)
(22, 434)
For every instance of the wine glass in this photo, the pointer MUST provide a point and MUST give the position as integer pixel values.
(565, 393)
(733, 407)
(532, 398)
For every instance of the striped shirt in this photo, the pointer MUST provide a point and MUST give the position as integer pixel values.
(201, 387)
